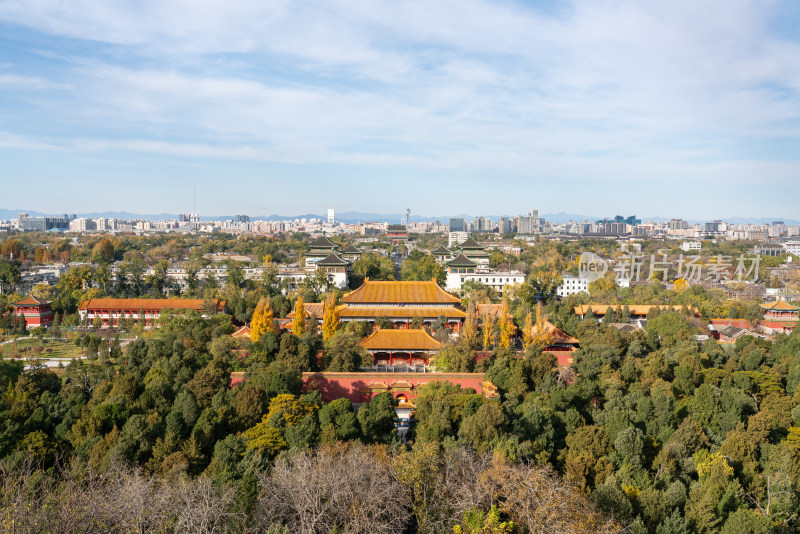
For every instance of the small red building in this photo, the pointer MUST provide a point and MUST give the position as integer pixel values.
(36, 311)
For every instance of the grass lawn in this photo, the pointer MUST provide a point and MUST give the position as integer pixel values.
(24, 347)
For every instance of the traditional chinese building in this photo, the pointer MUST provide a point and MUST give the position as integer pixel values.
(324, 255)
(401, 303)
(474, 251)
(337, 269)
(350, 253)
(442, 254)
(463, 269)
(113, 311)
(397, 232)
(559, 343)
(780, 311)
(407, 348)
(242, 333)
(36, 311)
(361, 387)
(318, 249)
(637, 311)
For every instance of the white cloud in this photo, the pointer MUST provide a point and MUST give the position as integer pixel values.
(593, 88)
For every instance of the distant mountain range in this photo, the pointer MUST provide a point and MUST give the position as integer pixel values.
(352, 217)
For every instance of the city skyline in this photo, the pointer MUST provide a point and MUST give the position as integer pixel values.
(590, 107)
(361, 216)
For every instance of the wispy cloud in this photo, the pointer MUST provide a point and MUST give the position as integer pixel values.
(582, 90)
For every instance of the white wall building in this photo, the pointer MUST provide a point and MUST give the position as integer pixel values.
(792, 247)
(462, 270)
(456, 238)
(496, 280)
(572, 285)
(687, 246)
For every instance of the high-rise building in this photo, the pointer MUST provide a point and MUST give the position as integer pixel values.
(42, 224)
(241, 218)
(530, 224)
(458, 224)
(331, 216)
(676, 224)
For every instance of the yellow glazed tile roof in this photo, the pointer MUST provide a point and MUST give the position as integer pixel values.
(400, 340)
(406, 292)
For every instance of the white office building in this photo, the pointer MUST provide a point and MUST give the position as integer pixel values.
(572, 285)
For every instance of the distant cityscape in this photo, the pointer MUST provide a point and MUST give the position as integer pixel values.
(530, 224)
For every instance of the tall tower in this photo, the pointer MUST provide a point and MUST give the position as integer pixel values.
(331, 216)
(408, 217)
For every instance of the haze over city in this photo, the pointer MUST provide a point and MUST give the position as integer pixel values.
(683, 109)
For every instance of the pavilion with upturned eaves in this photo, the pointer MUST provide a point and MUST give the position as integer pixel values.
(474, 251)
(325, 255)
(36, 311)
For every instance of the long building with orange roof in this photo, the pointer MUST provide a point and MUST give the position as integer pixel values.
(112, 311)
(402, 302)
(637, 311)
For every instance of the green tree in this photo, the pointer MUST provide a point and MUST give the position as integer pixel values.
(377, 418)
(337, 421)
(421, 266)
(344, 353)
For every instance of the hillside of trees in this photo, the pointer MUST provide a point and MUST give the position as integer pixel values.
(650, 431)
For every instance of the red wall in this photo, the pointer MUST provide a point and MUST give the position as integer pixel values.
(351, 386)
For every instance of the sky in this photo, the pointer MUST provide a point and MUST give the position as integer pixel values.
(682, 108)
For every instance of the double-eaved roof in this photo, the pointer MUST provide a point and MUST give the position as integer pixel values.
(404, 293)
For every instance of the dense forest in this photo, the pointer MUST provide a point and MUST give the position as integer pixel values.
(647, 431)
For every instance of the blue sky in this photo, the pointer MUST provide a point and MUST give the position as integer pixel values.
(686, 108)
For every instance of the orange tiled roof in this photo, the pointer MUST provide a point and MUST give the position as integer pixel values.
(557, 335)
(739, 323)
(242, 332)
(30, 300)
(493, 310)
(317, 309)
(400, 340)
(780, 305)
(148, 304)
(407, 292)
(400, 312)
(635, 309)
